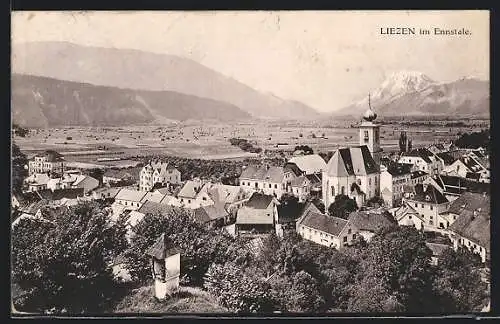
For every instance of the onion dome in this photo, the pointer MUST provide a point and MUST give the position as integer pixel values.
(369, 115)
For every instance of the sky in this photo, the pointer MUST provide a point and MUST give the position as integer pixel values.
(326, 59)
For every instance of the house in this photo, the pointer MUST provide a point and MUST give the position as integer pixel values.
(300, 187)
(406, 215)
(349, 166)
(87, 183)
(467, 202)
(437, 148)
(437, 250)
(393, 177)
(472, 231)
(468, 165)
(269, 180)
(211, 216)
(47, 162)
(429, 202)
(316, 184)
(105, 193)
(326, 230)
(288, 214)
(447, 158)
(117, 176)
(158, 172)
(422, 160)
(37, 181)
(417, 177)
(308, 164)
(450, 186)
(131, 199)
(191, 196)
(22, 199)
(258, 216)
(232, 197)
(151, 207)
(368, 222)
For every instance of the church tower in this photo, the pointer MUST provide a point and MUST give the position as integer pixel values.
(369, 133)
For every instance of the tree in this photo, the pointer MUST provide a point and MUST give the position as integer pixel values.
(342, 206)
(375, 202)
(305, 148)
(298, 293)
(458, 282)
(19, 161)
(395, 273)
(403, 140)
(62, 261)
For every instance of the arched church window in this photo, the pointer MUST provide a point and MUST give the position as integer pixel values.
(343, 190)
(333, 191)
(359, 182)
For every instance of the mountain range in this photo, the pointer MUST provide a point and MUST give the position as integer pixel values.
(410, 93)
(138, 70)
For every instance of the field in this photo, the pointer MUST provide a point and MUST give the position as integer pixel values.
(120, 146)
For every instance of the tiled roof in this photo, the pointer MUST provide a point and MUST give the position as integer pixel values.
(430, 195)
(259, 201)
(167, 199)
(423, 153)
(315, 179)
(264, 173)
(190, 189)
(328, 224)
(150, 207)
(209, 213)
(246, 215)
(398, 169)
(475, 228)
(153, 196)
(162, 249)
(417, 174)
(446, 157)
(80, 178)
(469, 202)
(472, 176)
(288, 213)
(223, 193)
(471, 164)
(130, 195)
(104, 191)
(356, 160)
(58, 194)
(371, 220)
(312, 163)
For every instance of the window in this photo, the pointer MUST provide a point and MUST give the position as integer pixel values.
(275, 186)
(422, 205)
(189, 201)
(416, 205)
(345, 238)
(359, 182)
(343, 190)
(349, 231)
(353, 236)
(431, 207)
(431, 222)
(270, 186)
(333, 191)
(369, 181)
(409, 216)
(204, 198)
(366, 135)
(182, 199)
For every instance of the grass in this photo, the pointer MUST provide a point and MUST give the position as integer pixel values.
(186, 300)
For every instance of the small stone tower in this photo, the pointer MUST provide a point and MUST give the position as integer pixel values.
(165, 266)
(369, 133)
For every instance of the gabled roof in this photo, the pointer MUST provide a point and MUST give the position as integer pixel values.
(418, 174)
(80, 178)
(371, 220)
(259, 201)
(162, 248)
(328, 224)
(471, 164)
(130, 195)
(431, 196)
(312, 163)
(315, 179)
(404, 210)
(247, 215)
(26, 198)
(423, 153)
(104, 191)
(153, 196)
(69, 193)
(469, 202)
(167, 199)
(356, 160)
(150, 207)
(264, 173)
(222, 193)
(190, 189)
(398, 169)
(209, 213)
(446, 157)
(474, 226)
(472, 176)
(287, 214)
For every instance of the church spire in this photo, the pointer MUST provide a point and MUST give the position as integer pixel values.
(369, 115)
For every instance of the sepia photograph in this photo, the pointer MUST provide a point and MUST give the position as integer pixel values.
(250, 162)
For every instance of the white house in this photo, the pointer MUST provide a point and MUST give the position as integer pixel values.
(309, 164)
(86, 182)
(258, 216)
(131, 199)
(467, 202)
(47, 162)
(393, 177)
(300, 187)
(406, 215)
(326, 230)
(157, 172)
(37, 181)
(269, 180)
(423, 160)
(368, 222)
(467, 165)
(429, 202)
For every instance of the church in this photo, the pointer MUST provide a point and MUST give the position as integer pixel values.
(355, 171)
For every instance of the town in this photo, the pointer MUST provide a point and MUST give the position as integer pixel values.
(277, 227)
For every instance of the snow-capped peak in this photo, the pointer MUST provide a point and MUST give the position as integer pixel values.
(402, 82)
